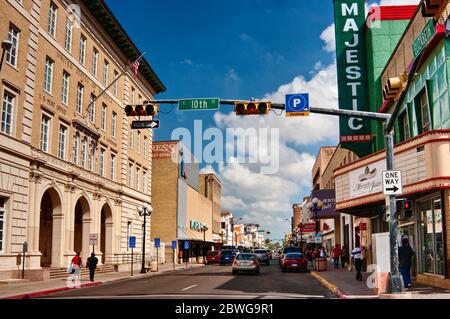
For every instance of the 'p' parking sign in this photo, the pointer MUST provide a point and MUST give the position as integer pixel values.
(297, 104)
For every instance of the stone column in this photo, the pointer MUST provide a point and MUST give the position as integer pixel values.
(58, 240)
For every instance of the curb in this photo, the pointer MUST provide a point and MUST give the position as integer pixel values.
(330, 286)
(51, 291)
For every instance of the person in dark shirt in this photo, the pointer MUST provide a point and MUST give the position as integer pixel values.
(92, 265)
(405, 255)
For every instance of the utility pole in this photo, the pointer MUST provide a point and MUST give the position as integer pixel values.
(395, 280)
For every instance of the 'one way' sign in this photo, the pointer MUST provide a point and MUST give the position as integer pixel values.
(392, 182)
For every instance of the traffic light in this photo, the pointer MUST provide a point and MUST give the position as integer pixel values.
(252, 107)
(407, 209)
(141, 110)
(432, 8)
(394, 87)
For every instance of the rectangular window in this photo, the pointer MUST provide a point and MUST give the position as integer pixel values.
(12, 53)
(112, 167)
(80, 95)
(48, 75)
(92, 109)
(69, 33)
(404, 127)
(62, 141)
(138, 178)
(45, 130)
(82, 49)
(94, 61)
(2, 224)
(116, 83)
(8, 112)
(91, 158)
(130, 175)
(65, 88)
(422, 112)
(133, 93)
(131, 137)
(83, 154)
(145, 147)
(76, 146)
(104, 108)
(144, 181)
(106, 73)
(52, 16)
(102, 161)
(138, 142)
(113, 124)
(139, 99)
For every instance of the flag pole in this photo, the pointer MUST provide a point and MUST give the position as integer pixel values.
(114, 81)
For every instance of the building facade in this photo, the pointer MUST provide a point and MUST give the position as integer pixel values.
(183, 206)
(421, 135)
(69, 168)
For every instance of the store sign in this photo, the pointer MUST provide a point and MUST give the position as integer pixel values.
(196, 225)
(164, 150)
(424, 37)
(328, 198)
(349, 17)
(367, 180)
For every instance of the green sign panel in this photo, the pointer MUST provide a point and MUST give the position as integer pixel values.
(198, 104)
(424, 37)
(355, 133)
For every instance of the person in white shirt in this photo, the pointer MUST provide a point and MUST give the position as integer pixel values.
(357, 259)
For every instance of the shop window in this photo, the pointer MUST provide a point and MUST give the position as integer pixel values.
(404, 127)
(432, 244)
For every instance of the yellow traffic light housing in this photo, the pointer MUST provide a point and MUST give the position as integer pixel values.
(141, 110)
(252, 107)
(394, 87)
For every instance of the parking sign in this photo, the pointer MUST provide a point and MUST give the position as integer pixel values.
(174, 244)
(297, 104)
(132, 242)
(186, 245)
(157, 242)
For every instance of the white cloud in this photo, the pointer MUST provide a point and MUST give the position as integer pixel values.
(398, 2)
(232, 76)
(208, 169)
(328, 36)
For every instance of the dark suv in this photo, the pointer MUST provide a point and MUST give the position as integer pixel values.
(227, 257)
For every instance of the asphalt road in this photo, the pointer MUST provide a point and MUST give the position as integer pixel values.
(211, 281)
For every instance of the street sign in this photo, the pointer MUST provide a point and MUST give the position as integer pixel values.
(392, 182)
(318, 239)
(308, 228)
(197, 104)
(144, 124)
(297, 104)
(157, 242)
(174, 244)
(186, 244)
(93, 239)
(132, 242)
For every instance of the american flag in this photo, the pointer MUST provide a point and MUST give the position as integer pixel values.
(136, 67)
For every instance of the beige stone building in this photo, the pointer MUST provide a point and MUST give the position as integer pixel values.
(68, 167)
(184, 202)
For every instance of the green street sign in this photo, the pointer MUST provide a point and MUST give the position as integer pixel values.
(198, 104)
(424, 37)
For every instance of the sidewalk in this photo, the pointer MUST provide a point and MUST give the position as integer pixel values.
(344, 285)
(27, 289)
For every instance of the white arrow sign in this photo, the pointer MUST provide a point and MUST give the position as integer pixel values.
(392, 182)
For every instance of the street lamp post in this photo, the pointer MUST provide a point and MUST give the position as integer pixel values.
(316, 206)
(144, 210)
(204, 229)
(6, 45)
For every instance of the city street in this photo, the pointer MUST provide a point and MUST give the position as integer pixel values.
(211, 281)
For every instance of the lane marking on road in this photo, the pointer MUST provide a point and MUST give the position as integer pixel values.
(184, 289)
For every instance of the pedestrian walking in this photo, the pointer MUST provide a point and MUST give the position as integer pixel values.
(343, 255)
(405, 255)
(335, 254)
(357, 259)
(92, 265)
(77, 263)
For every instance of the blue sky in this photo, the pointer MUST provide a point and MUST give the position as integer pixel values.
(238, 49)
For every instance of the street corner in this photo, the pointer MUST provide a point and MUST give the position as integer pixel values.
(329, 285)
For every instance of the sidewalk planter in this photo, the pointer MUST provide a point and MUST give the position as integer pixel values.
(321, 264)
(200, 260)
(154, 266)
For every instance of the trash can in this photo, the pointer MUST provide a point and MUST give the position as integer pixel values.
(321, 264)
(200, 260)
(154, 266)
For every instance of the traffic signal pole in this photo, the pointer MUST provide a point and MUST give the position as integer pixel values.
(395, 281)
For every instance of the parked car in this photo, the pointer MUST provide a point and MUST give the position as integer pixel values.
(288, 249)
(227, 257)
(263, 256)
(296, 261)
(246, 262)
(213, 257)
